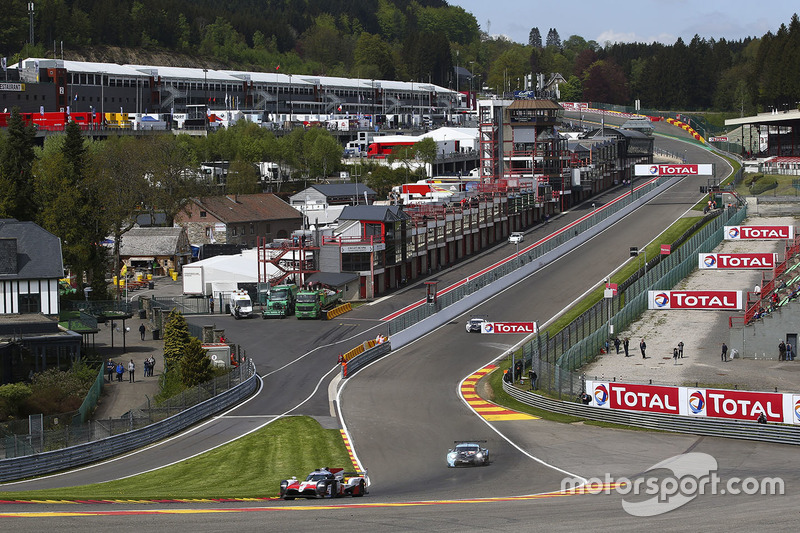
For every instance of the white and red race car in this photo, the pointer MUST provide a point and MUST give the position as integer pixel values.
(325, 483)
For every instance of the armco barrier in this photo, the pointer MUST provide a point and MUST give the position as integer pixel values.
(339, 310)
(712, 427)
(366, 357)
(65, 458)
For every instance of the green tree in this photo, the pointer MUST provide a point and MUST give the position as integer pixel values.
(16, 162)
(373, 57)
(119, 177)
(325, 154)
(176, 339)
(381, 179)
(168, 161)
(242, 178)
(426, 150)
(12, 397)
(195, 365)
(68, 205)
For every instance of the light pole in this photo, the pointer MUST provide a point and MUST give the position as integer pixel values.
(458, 78)
(30, 13)
(412, 103)
(205, 87)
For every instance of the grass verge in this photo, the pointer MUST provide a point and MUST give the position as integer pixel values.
(670, 235)
(250, 467)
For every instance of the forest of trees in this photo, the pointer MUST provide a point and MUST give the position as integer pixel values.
(418, 40)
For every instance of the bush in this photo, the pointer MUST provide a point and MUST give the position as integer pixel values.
(12, 398)
(55, 392)
(765, 183)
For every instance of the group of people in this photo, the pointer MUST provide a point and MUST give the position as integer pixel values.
(677, 352)
(149, 363)
(117, 370)
(785, 351)
(625, 343)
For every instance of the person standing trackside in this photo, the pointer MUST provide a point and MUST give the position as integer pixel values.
(642, 348)
(120, 371)
(675, 355)
(625, 345)
(789, 352)
(110, 368)
(680, 350)
(211, 304)
(782, 351)
(617, 342)
(142, 330)
(131, 369)
(724, 354)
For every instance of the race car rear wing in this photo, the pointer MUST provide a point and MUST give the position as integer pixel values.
(469, 441)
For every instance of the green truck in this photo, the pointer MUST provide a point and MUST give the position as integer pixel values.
(281, 301)
(312, 303)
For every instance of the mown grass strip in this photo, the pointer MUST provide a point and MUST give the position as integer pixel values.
(251, 467)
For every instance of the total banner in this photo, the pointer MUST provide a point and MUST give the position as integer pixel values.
(737, 233)
(737, 261)
(674, 170)
(781, 408)
(509, 327)
(714, 300)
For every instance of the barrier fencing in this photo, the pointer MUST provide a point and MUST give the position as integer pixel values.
(695, 425)
(525, 256)
(71, 433)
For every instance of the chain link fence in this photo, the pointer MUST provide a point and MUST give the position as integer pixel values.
(524, 257)
(65, 430)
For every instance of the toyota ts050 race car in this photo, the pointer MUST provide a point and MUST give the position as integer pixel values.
(468, 453)
(325, 483)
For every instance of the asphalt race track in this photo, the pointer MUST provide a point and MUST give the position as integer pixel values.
(404, 411)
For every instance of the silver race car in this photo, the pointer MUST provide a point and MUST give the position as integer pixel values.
(468, 452)
(475, 323)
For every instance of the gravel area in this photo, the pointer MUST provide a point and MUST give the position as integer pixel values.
(702, 333)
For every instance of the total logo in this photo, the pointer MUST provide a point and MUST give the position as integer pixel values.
(661, 299)
(488, 327)
(697, 402)
(710, 261)
(653, 170)
(600, 395)
(797, 411)
(733, 233)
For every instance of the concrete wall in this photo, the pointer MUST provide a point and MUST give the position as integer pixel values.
(760, 339)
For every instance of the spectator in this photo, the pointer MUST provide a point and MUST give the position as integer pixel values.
(120, 372)
(762, 418)
(789, 352)
(642, 348)
(110, 368)
(517, 370)
(782, 351)
(617, 343)
(142, 330)
(131, 369)
(532, 376)
(680, 350)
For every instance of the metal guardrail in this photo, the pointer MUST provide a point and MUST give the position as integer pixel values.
(42, 463)
(364, 358)
(711, 427)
